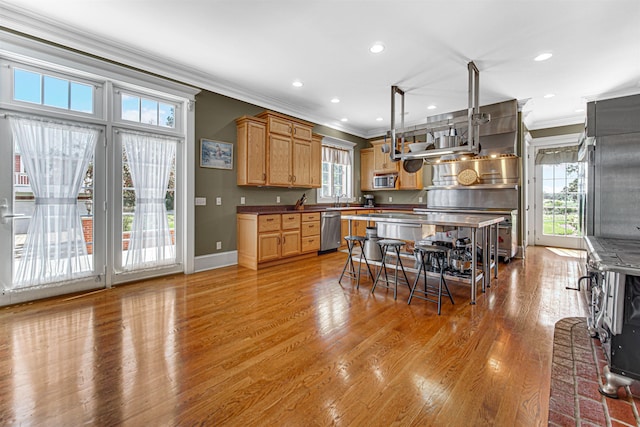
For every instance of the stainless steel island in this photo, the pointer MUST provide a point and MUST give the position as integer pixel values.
(411, 226)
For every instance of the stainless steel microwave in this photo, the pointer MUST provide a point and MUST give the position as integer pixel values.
(385, 181)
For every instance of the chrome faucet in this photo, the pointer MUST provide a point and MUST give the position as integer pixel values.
(337, 204)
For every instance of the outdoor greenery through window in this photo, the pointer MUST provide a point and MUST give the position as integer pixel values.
(147, 111)
(561, 200)
(337, 175)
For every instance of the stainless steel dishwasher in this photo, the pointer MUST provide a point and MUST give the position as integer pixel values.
(330, 234)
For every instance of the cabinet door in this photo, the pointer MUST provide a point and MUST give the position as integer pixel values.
(256, 154)
(410, 181)
(301, 163)
(316, 162)
(268, 246)
(382, 162)
(279, 160)
(366, 169)
(251, 151)
(290, 243)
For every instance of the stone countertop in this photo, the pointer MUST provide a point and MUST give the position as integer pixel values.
(280, 209)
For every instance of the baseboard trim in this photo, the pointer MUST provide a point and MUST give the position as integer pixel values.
(212, 261)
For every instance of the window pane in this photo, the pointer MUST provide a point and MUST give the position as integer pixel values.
(26, 86)
(167, 116)
(56, 92)
(130, 108)
(149, 112)
(81, 97)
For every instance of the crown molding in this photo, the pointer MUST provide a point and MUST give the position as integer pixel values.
(18, 20)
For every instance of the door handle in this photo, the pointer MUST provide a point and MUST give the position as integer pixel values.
(4, 209)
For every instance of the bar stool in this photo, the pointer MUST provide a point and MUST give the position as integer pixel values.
(428, 253)
(395, 245)
(351, 272)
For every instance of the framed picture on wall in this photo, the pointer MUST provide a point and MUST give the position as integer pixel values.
(216, 154)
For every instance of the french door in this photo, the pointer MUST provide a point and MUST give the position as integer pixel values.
(50, 181)
(557, 205)
(80, 211)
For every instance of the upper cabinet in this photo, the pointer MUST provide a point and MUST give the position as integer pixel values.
(373, 161)
(366, 169)
(381, 161)
(283, 154)
(251, 151)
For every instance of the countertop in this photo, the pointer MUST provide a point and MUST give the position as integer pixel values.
(280, 209)
(456, 220)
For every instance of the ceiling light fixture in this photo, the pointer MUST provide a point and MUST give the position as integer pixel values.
(297, 83)
(379, 119)
(431, 107)
(550, 95)
(543, 57)
(376, 48)
(335, 100)
(344, 119)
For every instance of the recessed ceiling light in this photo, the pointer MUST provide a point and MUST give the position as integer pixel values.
(344, 119)
(376, 48)
(543, 57)
(550, 95)
(431, 107)
(335, 100)
(297, 83)
(580, 110)
(379, 119)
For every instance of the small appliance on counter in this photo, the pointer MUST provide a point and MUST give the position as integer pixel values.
(368, 201)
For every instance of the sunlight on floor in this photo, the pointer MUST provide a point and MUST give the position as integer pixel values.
(571, 253)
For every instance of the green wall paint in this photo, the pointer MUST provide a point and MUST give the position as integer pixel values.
(215, 120)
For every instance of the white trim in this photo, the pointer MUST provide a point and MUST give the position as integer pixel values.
(212, 261)
(330, 141)
(532, 190)
(24, 21)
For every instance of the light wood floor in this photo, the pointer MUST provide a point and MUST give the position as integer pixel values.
(288, 346)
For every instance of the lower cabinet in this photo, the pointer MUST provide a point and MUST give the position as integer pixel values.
(276, 238)
(310, 232)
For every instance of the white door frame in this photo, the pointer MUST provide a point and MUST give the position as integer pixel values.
(534, 196)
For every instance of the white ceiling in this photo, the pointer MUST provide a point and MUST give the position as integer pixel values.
(254, 49)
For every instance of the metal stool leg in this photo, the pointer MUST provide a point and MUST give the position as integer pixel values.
(349, 260)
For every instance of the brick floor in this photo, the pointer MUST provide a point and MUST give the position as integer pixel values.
(574, 399)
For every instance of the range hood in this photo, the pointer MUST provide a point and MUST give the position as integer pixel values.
(488, 130)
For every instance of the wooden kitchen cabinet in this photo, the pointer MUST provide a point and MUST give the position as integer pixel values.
(409, 181)
(316, 161)
(288, 147)
(279, 156)
(366, 169)
(272, 239)
(251, 151)
(382, 162)
(301, 163)
(310, 232)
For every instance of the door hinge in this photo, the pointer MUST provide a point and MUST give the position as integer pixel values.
(104, 206)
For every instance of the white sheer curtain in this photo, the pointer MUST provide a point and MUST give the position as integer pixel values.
(56, 157)
(150, 161)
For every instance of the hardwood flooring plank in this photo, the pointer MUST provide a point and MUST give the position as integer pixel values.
(288, 345)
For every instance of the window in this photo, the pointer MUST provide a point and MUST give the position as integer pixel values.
(337, 174)
(147, 111)
(52, 91)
